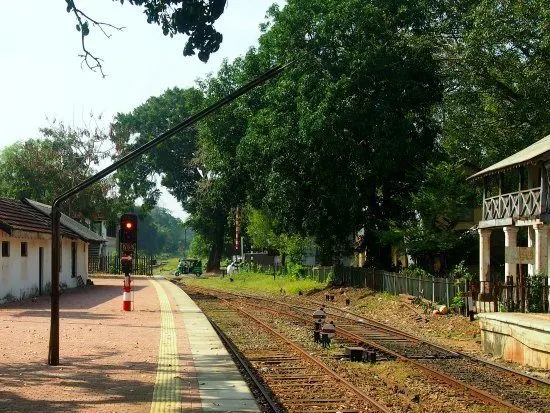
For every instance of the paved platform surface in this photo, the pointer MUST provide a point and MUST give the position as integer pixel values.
(518, 337)
(531, 320)
(161, 357)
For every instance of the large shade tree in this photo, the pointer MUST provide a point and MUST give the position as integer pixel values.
(170, 163)
(497, 98)
(343, 137)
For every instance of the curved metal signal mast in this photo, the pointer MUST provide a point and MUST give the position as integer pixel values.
(53, 353)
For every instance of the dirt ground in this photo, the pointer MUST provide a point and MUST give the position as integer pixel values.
(452, 330)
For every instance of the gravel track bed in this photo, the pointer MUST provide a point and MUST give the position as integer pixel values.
(533, 398)
(404, 389)
(279, 366)
(416, 391)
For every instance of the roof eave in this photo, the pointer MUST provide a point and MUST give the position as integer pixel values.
(488, 172)
(5, 227)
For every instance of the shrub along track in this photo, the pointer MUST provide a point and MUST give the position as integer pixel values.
(486, 382)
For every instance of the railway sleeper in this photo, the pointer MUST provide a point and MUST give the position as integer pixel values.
(432, 357)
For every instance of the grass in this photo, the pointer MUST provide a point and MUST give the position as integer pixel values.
(250, 281)
(169, 267)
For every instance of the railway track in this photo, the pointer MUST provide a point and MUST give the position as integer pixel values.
(302, 383)
(509, 389)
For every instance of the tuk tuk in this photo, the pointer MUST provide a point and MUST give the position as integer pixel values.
(189, 266)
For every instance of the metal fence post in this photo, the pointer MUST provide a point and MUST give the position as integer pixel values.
(447, 291)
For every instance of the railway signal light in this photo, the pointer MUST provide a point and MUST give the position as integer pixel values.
(128, 229)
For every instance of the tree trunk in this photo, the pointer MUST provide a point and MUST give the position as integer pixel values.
(214, 257)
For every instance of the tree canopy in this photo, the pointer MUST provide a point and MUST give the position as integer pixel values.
(43, 168)
(388, 107)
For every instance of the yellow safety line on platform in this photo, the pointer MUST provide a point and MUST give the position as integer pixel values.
(167, 392)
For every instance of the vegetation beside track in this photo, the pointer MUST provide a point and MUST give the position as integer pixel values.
(256, 282)
(167, 267)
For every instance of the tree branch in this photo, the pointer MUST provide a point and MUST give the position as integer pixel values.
(93, 62)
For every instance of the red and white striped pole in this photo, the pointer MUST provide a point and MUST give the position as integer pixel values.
(237, 221)
(127, 289)
(127, 294)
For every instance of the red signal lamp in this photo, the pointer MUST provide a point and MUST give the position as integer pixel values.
(128, 229)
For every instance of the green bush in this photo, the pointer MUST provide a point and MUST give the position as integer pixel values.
(460, 272)
(457, 304)
(416, 272)
(113, 264)
(296, 270)
(535, 287)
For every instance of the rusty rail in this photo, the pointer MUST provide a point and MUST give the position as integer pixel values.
(453, 382)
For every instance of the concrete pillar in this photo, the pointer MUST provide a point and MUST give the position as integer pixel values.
(541, 249)
(510, 240)
(530, 243)
(484, 258)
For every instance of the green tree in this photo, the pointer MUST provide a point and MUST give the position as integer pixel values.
(497, 98)
(223, 188)
(172, 162)
(160, 232)
(184, 167)
(260, 230)
(42, 169)
(343, 134)
(443, 200)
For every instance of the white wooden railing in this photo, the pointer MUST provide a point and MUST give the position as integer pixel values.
(523, 204)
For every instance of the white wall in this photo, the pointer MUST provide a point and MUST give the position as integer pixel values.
(19, 276)
(81, 262)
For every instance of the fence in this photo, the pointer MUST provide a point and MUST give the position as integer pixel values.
(438, 290)
(110, 264)
(530, 296)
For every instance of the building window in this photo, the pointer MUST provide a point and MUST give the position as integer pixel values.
(5, 248)
(24, 249)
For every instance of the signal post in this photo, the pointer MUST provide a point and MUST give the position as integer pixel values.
(127, 248)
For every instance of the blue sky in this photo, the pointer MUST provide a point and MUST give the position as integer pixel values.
(41, 76)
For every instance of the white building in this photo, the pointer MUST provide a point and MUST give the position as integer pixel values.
(516, 207)
(25, 256)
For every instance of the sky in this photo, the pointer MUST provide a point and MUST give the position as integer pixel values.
(41, 77)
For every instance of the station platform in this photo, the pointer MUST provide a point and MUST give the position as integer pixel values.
(163, 356)
(519, 337)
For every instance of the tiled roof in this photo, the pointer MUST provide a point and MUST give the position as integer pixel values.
(84, 232)
(16, 215)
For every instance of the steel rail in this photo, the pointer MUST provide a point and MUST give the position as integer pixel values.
(456, 383)
(368, 322)
(261, 388)
(522, 376)
(310, 358)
